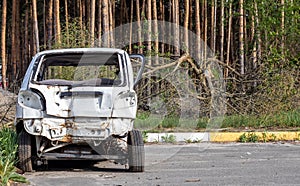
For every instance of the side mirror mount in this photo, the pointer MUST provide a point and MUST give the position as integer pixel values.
(141, 58)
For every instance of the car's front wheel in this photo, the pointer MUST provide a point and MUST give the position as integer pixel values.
(136, 152)
(24, 152)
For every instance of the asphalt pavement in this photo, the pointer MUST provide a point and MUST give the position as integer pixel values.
(187, 164)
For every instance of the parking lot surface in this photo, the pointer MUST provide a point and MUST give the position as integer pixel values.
(187, 164)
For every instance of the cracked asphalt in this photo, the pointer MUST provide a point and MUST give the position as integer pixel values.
(186, 164)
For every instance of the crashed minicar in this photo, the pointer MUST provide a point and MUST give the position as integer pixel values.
(79, 104)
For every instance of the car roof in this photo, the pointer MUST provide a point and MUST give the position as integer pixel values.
(82, 50)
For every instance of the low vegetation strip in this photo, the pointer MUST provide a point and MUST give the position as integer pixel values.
(280, 121)
(254, 136)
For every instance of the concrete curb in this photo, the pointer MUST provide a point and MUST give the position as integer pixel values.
(223, 136)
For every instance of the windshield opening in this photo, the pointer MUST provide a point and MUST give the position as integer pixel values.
(92, 69)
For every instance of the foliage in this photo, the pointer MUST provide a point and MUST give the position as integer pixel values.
(8, 150)
(243, 138)
(250, 137)
(169, 138)
(145, 136)
(74, 36)
(170, 122)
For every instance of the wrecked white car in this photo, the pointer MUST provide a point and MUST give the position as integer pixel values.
(79, 104)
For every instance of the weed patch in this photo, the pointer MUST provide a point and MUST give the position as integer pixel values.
(192, 141)
(8, 151)
(252, 137)
(248, 138)
(145, 136)
(169, 138)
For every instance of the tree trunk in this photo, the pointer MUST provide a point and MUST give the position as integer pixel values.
(149, 17)
(253, 40)
(14, 38)
(205, 30)
(198, 29)
(111, 23)
(130, 31)
(35, 23)
(88, 13)
(81, 23)
(99, 23)
(259, 42)
(67, 22)
(83, 4)
(125, 12)
(18, 44)
(50, 24)
(155, 30)
(113, 17)
(139, 31)
(177, 31)
(241, 37)
(222, 32)
(186, 25)
(3, 44)
(45, 25)
(26, 37)
(121, 12)
(228, 37)
(245, 40)
(191, 24)
(105, 21)
(171, 29)
(143, 14)
(57, 23)
(162, 18)
(32, 37)
(212, 26)
(92, 24)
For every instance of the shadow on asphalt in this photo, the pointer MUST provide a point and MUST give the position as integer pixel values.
(81, 166)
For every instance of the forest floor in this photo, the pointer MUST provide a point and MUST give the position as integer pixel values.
(7, 107)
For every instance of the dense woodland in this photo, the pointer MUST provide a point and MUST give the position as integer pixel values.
(256, 41)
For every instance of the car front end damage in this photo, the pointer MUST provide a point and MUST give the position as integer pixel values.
(78, 104)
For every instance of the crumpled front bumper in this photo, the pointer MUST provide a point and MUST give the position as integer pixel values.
(78, 130)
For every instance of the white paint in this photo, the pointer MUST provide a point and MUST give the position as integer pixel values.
(180, 137)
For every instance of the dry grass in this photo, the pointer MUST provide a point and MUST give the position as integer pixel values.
(7, 107)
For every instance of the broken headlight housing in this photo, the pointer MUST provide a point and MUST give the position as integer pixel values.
(30, 99)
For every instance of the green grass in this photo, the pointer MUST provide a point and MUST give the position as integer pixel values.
(8, 150)
(289, 119)
(156, 123)
(281, 120)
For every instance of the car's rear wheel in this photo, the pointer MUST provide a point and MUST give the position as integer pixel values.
(24, 152)
(136, 152)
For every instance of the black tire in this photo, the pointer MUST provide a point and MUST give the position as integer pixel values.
(24, 152)
(136, 152)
